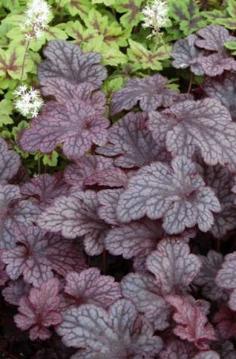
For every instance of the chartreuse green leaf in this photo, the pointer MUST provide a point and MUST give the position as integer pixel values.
(78, 7)
(187, 15)
(6, 109)
(141, 58)
(231, 45)
(11, 63)
(131, 10)
(225, 17)
(106, 26)
(18, 36)
(104, 2)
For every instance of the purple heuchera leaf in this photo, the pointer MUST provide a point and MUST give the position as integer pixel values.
(76, 124)
(108, 201)
(120, 332)
(131, 142)
(226, 278)
(225, 320)
(177, 194)
(206, 278)
(133, 239)
(37, 254)
(14, 212)
(90, 287)
(192, 126)
(77, 216)
(40, 310)
(192, 323)
(177, 349)
(45, 188)
(185, 55)
(3, 275)
(143, 291)
(66, 60)
(220, 179)
(213, 38)
(209, 354)
(173, 266)
(15, 290)
(90, 170)
(9, 162)
(216, 64)
(223, 88)
(151, 92)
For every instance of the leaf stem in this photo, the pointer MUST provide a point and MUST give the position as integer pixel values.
(24, 59)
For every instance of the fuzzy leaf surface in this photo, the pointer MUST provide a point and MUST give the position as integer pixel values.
(144, 292)
(192, 126)
(77, 216)
(124, 335)
(192, 322)
(37, 254)
(9, 162)
(185, 54)
(173, 266)
(76, 124)
(177, 194)
(130, 141)
(90, 170)
(40, 310)
(90, 287)
(66, 60)
(150, 92)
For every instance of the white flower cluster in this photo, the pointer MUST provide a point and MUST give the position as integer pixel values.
(37, 18)
(28, 101)
(156, 15)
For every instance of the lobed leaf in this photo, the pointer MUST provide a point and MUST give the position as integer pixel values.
(130, 142)
(173, 266)
(192, 126)
(66, 60)
(77, 216)
(108, 334)
(177, 194)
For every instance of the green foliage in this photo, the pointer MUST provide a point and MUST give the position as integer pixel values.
(111, 27)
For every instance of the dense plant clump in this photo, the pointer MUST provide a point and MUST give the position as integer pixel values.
(127, 248)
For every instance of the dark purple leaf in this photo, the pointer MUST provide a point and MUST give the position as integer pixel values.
(14, 213)
(177, 194)
(151, 92)
(193, 126)
(37, 254)
(206, 278)
(76, 124)
(77, 216)
(9, 162)
(185, 55)
(45, 188)
(90, 170)
(90, 287)
(223, 89)
(131, 142)
(40, 310)
(213, 38)
(66, 60)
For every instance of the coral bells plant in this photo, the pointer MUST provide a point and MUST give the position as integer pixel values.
(129, 250)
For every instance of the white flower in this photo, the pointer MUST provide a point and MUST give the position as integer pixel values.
(156, 15)
(28, 101)
(37, 16)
